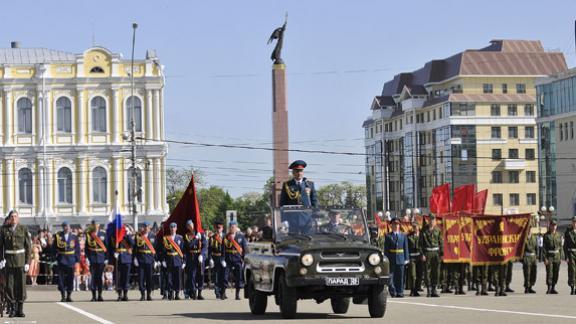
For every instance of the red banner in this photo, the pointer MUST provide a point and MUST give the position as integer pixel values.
(499, 239)
(457, 234)
(440, 199)
(479, 204)
(463, 198)
(187, 208)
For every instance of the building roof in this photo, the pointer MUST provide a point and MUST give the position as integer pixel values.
(34, 56)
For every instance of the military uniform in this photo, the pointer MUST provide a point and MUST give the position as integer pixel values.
(570, 253)
(144, 258)
(480, 278)
(96, 252)
(15, 246)
(235, 247)
(552, 258)
(172, 259)
(530, 263)
(414, 271)
(123, 255)
(500, 272)
(397, 251)
(431, 245)
(196, 247)
(67, 255)
(216, 256)
(298, 192)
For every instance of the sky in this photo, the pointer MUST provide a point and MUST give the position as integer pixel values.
(338, 55)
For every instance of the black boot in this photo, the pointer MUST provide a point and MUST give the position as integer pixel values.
(237, 293)
(20, 310)
(491, 287)
(428, 292)
(171, 295)
(69, 297)
(12, 309)
(100, 299)
(434, 293)
(119, 295)
(531, 291)
(553, 290)
(526, 290)
(200, 295)
(177, 296)
(223, 296)
(63, 297)
(93, 296)
(483, 291)
(142, 297)
(572, 291)
(548, 290)
(193, 295)
(503, 292)
(125, 295)
(148, 295)
(508, 289)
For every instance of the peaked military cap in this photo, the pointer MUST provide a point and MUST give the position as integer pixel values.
(297, 165)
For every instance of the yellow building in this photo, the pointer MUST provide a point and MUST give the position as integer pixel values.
(466, 119)
(63, 130)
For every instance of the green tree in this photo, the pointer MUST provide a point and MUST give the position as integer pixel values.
(342, 195)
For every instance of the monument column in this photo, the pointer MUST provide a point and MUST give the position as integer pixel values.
(279, 128)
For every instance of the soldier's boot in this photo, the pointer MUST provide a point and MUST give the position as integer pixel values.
(170, 295)
(434, 293)
(508, 289)
(223, 295)
(93, 296)
(428, 292)
(177, 296)
(416, 294)
(237, 293)
(548, 290)
(63, 297)
(193, 295)
(531, 291)
(553, 290)
(148, 294)
(142, 296)
(69, 297)
(200, 295)
(572, 291)
(491, 287)
(461, 292)
(503, 292)
(20, 310)
(11, 309)
(100, 299)
(125, 295)
(526, 290)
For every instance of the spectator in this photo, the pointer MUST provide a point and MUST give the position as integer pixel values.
(34, 270)
(109, 277)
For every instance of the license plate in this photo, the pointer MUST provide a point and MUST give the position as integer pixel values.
(342, 281)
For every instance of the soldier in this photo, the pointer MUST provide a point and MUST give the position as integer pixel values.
(570, 252)
(397, 252)
(509, 268)
(15, 246)
(217, 261)
(480, 274)
(298, 190)
(530, 263)
(552, 256)
(145, 260)
(122, 253)
(431, 246)
(173, 260)
(414, 277)
(196, 249)
(68, 254)
(96, 252)
(500, 274)
(235, 247)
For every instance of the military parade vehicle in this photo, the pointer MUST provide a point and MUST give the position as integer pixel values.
(320, 254)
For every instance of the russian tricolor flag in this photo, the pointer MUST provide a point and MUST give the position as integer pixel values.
(115, 228)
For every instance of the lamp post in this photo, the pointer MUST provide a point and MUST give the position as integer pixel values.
(546, 214)
(416, 213)
(133, 133)
(388, 214)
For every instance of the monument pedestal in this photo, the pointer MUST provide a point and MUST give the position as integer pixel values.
(279, 129)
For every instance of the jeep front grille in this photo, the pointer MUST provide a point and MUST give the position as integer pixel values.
(340, 255)
(340, 267)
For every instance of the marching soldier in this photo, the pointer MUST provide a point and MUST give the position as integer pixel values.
(235, 247)
(196, 249)
(122, 253)
(414, 280)
(552, 256)
(217, 261)
(96, 251)
(431, 246)
(397, 251)
(145, 260)
(15, 246)
(530, 263)
(68, 254)
(173, 260)
(298, 190)
(570, 252)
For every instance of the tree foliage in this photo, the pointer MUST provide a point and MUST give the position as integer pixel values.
(342, 195)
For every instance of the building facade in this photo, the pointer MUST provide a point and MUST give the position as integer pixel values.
(466, 119)
(556, 117)
(63, 129)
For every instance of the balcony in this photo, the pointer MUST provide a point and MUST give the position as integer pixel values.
(514, 164)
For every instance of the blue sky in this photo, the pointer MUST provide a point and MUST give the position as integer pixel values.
(338, 55)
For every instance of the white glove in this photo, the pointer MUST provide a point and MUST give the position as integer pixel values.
(2, 264)
(406, 262)
(105, 262)
(223, 263)
(87, 262)
(183, 266)
(211, 263)
(198, 236)
(136, 262)
(156, 265)
(116, 254)
(200, 258)
(26, 267)
(164, 264)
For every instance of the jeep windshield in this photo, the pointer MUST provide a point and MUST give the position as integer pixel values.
(307, 224)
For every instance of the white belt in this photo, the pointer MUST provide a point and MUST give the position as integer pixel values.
(14, 251)
(572, 250)
(529, 254)
(432, 249)
(414, 254)
(553, 251)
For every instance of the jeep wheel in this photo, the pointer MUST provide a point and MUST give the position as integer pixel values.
(340, 305)
(256, 299)
(287, 298)
(377, 302)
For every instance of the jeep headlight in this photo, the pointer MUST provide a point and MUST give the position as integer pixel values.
(307, 260)
(374, 259)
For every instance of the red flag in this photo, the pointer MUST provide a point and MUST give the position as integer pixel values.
(440, 199)
(378, 220)
(479, 204)
(463, 198)
(187, 208)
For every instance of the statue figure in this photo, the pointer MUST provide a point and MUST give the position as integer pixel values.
(278, 34)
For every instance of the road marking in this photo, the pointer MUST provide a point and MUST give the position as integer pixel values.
(85, 313)
(485, 310)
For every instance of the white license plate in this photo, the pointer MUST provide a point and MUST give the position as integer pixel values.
(342, 281)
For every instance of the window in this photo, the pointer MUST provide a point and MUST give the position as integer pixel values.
(512, 132)
(434, 114)
(65, 186)
(463, 109)
(561, 134)
(24, 106)
(495, 110)
(513, 177)
(97, 69)
(566, 131)
(497, 199)
(512, 110)
(529, 110)
(25, 186)
(440, 112)
(531, 199)
(571, 130)
(487, 87)
(138, 113)
(530, 155)
(98, 105)
(529, 132)
(514, 199)
(513, 153)
(496, 132)
(530, 176)
(504, 88)
(99, 185)
(64, 115)
(496, 154)
(520, 88)
(138, 184)
(496, 176)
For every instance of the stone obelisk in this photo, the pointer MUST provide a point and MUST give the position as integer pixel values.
(279, 114)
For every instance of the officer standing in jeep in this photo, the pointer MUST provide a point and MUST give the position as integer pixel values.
(298, 190)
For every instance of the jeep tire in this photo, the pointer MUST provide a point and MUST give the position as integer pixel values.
(377, 301)
(288, 299)
(340, 304)
(256, 299)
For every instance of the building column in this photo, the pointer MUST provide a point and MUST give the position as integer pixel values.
(2, 185)
(83, 183)
(149, 132)
(157, 116)
(149, 187)
(2, 109)
(161, 107)
(40, 181)
(49, 169)
(48, 124)
(115, 106)
(80, 116)
(9, 184)
(164, 205)
(8, 121)
(116, 202)
(157, 182)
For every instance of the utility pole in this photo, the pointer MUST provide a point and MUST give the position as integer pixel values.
(134, 191)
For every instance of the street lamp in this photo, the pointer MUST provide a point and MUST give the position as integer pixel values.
(546, 212)
(388, 218)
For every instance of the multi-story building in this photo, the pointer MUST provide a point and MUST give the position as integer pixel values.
(556, 117)
(466, 119)
(65, 153)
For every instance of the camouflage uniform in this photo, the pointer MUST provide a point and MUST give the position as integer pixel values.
(552, 257)
(570, 252)
(529, 263)
(15, 245)
(431, 245)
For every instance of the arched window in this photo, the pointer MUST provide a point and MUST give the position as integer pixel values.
(98, 106)
(137, 113)
(64, 115)
(25, 186)
(99, 185)
(65, 186)
(138, 184)
(97, 69)
(24, 106)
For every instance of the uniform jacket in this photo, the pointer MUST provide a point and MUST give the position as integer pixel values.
(531, 245)
(292, 193)
(195, 247)
(169, 254)
(124, 250)
(94, 252)
(413, 245)
(570, 244)
(231, 252)
(142, 252)
(216, 247)
(553, 247)
(396, 248)
(430, 239)
(15, 245)
(67, 251)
